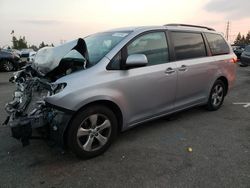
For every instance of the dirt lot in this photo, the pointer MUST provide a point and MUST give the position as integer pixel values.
(151, 155)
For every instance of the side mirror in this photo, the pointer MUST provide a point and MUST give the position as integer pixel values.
(136, 60)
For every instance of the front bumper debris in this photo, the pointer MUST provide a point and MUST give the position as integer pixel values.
(28, 110)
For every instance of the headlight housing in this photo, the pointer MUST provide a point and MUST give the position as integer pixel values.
(58, 88)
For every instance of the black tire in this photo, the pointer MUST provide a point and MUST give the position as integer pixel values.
(243, 65)
(83, 120)
(7, 65)
(211, 104)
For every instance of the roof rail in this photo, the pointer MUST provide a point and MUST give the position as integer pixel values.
(188, 25)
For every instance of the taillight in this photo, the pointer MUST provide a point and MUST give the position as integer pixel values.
(233, 60)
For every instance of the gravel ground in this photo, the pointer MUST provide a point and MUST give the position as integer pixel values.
(154, 154)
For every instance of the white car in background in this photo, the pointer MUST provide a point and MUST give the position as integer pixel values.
(27, 55)
(31, 57)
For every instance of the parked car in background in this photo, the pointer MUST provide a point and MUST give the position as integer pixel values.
(26, 54)
(245, 57)
(31, 57)
(238, 50)
(84, 92)
(15, 51)
(9, 61)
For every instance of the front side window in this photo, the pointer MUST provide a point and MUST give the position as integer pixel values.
(217, 44)
(116, 62)
(153, 45)
(188, 45)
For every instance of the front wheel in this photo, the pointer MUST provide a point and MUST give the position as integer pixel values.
(7, 65)
(216, 96)
(92, 131)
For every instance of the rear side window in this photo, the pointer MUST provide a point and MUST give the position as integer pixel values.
(217, 44)
(188, 45)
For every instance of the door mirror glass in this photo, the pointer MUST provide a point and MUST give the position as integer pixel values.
(136, 60)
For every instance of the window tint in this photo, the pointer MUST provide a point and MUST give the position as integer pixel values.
(247, 49)
(153, 45)
(188, 45)
(217, 44)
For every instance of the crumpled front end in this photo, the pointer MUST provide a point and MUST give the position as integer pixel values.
(29, 110)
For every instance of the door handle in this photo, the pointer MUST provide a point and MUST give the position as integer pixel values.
(183, 68)
(169, 70)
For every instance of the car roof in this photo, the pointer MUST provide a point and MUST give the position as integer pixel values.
(181, 27)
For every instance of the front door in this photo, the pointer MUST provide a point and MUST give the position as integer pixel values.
(150, 91)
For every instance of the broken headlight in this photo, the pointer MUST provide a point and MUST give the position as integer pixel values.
(58, 88)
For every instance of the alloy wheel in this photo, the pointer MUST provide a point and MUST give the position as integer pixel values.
(94, 132)
(217, 95)
(8, 66)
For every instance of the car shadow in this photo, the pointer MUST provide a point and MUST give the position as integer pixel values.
(44, 155)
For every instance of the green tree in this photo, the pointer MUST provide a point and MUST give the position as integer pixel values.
(20, 43)
(14, 42)
(42, 45)
(243, 40)
(238, 39)
(34, 47)
(247, 41)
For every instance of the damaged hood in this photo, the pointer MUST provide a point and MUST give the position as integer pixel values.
(49, 58)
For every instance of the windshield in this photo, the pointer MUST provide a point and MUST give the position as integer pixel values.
(100, 44)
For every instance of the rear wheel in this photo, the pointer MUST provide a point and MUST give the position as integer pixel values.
(92, 131)
(217, 95)
(7, 65)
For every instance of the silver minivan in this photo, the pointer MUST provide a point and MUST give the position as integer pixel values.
(83, 93)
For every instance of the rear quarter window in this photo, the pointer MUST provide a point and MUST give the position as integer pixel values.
(217, 44)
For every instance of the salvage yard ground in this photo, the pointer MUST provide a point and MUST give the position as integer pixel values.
(154, 154)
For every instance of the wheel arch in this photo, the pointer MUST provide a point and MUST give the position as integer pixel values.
(2, 60)
(107, 103)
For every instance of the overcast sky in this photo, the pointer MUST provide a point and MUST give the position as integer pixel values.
(54, 20)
